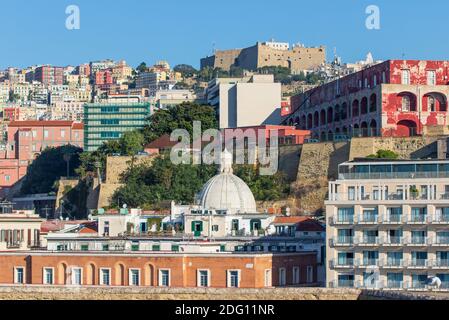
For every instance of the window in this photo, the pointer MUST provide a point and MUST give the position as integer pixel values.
(405, 76)
(19, 275)
(203, 278)
(48, 275)
(164, 278)
(62, 133)
(34, 133)
(406, 103)
(375, 80)
(384, 77)
(45, 133)
(296, 275)
(84, 247)
(309, 274)
(282, 277)
(77, 276)
(431, 78)
(105, 277)
(431, 103)
(233, 278)
(7, 178)
(134, 277)
(156, 247)
(175, 248)
(268, 278)
(105, 247)
(215, 228)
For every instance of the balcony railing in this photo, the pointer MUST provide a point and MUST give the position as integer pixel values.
(441, 241)
(341, 220)
(416, 285)
(441, 219)
(418, 241)
(394, 219)
(367, 263)
(393, 241)
(345, 263)
(394, 285)
(341, 241)
(441, 263)
(369, 219)
(392, 263)
(419, 219)
(368, 240)
(392, 196)
(345, 283)
(418, 263)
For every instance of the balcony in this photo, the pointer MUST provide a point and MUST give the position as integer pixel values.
(441, 264)
(418, 264)
(440, 242)
(393, 241)
(368, 241)
(364, 263)
(394, 219)
(342, 264)
(333, 221)
(417, 241)
(344, 284)
(416, 285)
(392, 264)
(393, 285)
(419, 219)
(369, 219)
(442, 219)
(341, 242)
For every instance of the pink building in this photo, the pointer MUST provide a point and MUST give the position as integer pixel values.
(27, 139)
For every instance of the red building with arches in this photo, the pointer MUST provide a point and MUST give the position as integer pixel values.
(397, 98)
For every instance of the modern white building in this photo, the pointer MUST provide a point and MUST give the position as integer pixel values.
(245, 102)
(388, 224)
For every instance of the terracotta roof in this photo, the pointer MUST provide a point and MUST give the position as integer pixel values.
(78, 126)
(302, 223)
(88, 229)
(41, 123)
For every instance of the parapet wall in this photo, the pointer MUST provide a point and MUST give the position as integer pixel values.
(147, 293)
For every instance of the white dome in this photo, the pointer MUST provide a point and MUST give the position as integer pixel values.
(226, 191)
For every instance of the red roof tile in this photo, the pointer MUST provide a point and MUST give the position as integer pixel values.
(41, 123)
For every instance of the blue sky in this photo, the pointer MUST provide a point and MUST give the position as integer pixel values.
(183, 31)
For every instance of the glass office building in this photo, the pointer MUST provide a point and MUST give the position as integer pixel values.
(109, 121)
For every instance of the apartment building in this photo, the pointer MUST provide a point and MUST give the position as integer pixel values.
(49, 75)
(109, 121)
(27, 139)
(388, 224)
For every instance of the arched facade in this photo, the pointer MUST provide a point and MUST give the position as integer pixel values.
(364, 106)
(406, 128)
(355, 108)
(407, 101)
(373, 103)
(434, 102)
(120, 274)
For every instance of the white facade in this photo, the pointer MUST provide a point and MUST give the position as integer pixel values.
(245, 102)
(388, 225)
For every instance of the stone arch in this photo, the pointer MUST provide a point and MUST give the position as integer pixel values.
(330, 115)
(355, 108)
(316, 119)
(303, 123)
(364, 129)
(337, 114)
(345, 130)
(356, 130)
(323, 117)
(364, 106)
(120, 274)
(407, 101)
(91, 277)
(373, 103)
(330, 135)
(406, 128)
(344, 111)
(309, 121)
(150, 276)
(63, 276)
(323, 136)
(434, 102)
(373, 128)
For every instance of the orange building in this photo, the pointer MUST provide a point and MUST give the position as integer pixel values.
(177, 270)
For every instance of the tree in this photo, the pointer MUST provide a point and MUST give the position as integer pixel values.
(49, 167)
(384, 154)
(131, 143)
(142, 67)
(186, 70)
(179, 117)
